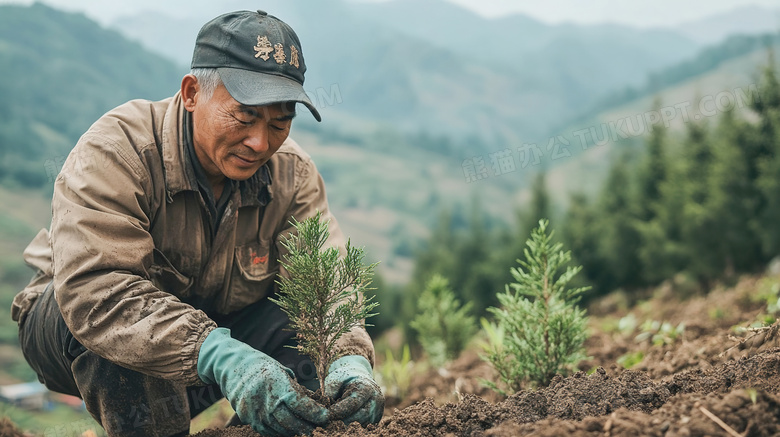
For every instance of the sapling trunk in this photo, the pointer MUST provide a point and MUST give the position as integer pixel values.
(324, 294)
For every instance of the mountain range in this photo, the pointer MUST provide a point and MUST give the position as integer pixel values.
(444, 69)
(406, 112)
(744, 20)
(430, 65)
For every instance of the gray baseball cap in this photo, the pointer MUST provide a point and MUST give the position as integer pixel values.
(258, 57)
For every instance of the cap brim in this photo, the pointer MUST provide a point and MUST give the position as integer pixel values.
(259, 89)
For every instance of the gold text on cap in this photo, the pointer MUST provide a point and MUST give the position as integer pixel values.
(263, 48)
(294, 56)
(279, 53)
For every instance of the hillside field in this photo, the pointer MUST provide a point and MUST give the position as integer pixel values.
(717, 375)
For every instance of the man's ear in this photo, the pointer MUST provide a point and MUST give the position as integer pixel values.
(189, 91)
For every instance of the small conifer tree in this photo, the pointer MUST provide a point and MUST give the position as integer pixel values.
(443, 324)
(539, 331)
(325, 294)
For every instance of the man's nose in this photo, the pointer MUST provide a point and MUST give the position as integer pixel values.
(257, 139)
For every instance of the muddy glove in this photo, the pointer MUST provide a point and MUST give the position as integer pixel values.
(261, 390)
(350, 385)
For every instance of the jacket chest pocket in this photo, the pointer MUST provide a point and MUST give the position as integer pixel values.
(254, 274)
(165, 277)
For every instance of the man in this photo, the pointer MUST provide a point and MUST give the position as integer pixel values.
(150, 298)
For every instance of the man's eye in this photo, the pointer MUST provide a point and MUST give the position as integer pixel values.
(245, 123)
(277, 128)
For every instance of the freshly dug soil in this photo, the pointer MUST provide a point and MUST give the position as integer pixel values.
(679, 389)
(233, 431)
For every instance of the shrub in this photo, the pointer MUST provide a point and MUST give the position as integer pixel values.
(539, 330)
(660, 333)
(631, 359)
(395, 376)
(443, 325)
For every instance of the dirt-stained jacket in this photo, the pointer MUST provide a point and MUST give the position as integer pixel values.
(135, 266)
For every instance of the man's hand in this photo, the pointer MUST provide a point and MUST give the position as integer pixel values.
(261, 390)
(350, 385)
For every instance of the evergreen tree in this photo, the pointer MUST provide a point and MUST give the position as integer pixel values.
(478, 272)
(580, 232)
(323, 294)
(660, 203)
(767, 105)
(652, 172)
(538, 208)
(697, 160)
(539, 330)
(732, 202)
(697, 219)
(712, 211)
(444, 326)
(661, 251)
(769, 184)
(620, 239)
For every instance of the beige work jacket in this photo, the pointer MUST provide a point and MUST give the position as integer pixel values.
(135, 267)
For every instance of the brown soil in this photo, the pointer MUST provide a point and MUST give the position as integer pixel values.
(682, 389)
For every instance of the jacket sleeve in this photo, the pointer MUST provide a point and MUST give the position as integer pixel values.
(101, 254)
(308, 198)
(38, 256)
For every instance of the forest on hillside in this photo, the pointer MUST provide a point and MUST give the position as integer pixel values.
(689, 208)
(62, 71)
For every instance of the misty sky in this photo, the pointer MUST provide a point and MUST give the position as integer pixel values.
(657, 13)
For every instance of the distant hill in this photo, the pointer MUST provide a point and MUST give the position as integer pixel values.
(60, 72)
(619, 54)
(745, 20)
(689, 99)
(708, 59)
(430, 65)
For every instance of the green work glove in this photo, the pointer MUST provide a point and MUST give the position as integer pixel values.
(356, 396)
(261, 390)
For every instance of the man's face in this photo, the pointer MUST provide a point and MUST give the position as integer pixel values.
(234, 140)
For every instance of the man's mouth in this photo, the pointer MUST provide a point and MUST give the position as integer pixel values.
(246, 161)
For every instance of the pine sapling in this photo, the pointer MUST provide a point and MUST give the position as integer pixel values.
(539, 330)
(324, 294)
(443, 324)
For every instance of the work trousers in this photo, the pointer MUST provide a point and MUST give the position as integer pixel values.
(129, 403)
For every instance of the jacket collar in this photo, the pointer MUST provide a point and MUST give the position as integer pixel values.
(179, 172)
